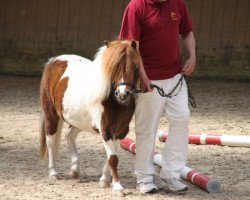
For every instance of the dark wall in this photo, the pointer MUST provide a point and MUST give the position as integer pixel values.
(31, 31)
(222, 31)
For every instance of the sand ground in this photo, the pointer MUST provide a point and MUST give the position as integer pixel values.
(223, 108)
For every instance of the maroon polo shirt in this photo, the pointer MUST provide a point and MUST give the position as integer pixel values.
(157, 27)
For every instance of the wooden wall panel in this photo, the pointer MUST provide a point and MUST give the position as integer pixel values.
(52, 19)
(19, 19)
(74, 19)
(2, 16)
(229, 23)
(2, 24)
(9, 28)
(106, 20)
(205, 23)
(31, 15)
(240, 24)
(247, 33)
(83, 26)
(94, 25)
(117, 13)
(195, 9)
(216, 24)
(41, 23)
(33, 30)
(63, 20)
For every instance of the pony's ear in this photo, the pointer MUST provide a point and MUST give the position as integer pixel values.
(133, 44)
(106, 42)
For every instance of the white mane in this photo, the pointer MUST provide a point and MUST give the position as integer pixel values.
(102, 85)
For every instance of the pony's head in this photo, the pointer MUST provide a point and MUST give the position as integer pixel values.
(121, 61)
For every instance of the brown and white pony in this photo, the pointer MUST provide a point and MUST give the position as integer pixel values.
(90, 96)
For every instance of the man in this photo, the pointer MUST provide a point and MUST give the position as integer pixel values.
(155, 25)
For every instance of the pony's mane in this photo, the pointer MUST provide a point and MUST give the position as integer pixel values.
(111, 62)
(118, 59)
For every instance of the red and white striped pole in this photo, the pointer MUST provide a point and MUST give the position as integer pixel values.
(128, 145)
(215, 139)
(196, 178)
(200, 180)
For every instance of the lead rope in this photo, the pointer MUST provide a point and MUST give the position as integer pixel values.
(170, 94)
(190, 95)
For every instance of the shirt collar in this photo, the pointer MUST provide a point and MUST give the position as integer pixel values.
(152, 1)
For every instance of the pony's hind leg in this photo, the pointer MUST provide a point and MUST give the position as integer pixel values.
(53, 142)
(110, 147)
(71, 136)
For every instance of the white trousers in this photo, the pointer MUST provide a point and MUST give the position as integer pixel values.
(149, 109)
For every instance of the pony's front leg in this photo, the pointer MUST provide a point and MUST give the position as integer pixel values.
(105, 178)
(110, 147)
(71, 136)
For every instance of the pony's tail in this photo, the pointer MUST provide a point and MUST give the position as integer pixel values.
(43, 146)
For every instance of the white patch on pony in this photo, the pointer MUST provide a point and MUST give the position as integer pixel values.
(86, 90)
(71, 136)
(122, 88)
(51, 141)
(117, 186)
(105, 173)
(110, 148)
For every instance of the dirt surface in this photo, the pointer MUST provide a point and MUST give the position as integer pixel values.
(223, 108)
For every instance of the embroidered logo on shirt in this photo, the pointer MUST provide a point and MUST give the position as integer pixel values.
(174, 16)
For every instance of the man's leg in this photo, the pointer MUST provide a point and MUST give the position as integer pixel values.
(176, 147)
(149, 109)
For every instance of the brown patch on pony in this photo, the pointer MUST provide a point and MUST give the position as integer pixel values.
(113, 163)
(120, 59)
(116, 118)
(59, 92)
(51, 92)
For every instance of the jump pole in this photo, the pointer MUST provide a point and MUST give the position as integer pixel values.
(200, 180)
(215, 139)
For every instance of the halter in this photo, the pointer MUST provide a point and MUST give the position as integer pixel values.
(132, 85)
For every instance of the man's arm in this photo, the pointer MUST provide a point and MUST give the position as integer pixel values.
(145, 82)
(189, 46)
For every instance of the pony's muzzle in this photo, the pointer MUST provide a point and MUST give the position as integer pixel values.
(122, 96)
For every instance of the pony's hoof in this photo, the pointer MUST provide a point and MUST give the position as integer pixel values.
(118, 193)
(74, 174)
(104, 184)
(54, 178)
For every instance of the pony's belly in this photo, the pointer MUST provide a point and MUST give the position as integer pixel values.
(80, 120)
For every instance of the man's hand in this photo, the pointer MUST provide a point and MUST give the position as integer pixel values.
(144, 81)
(189, 46)
(188, 68)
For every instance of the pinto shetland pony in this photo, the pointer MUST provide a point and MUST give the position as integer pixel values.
(90, 96)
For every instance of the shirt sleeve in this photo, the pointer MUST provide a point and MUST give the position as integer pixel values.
(131, 22)
(186, 25)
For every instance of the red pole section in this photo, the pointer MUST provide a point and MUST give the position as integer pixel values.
(194, 177)
(128, 145)
(215, 139)
(198, 179)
